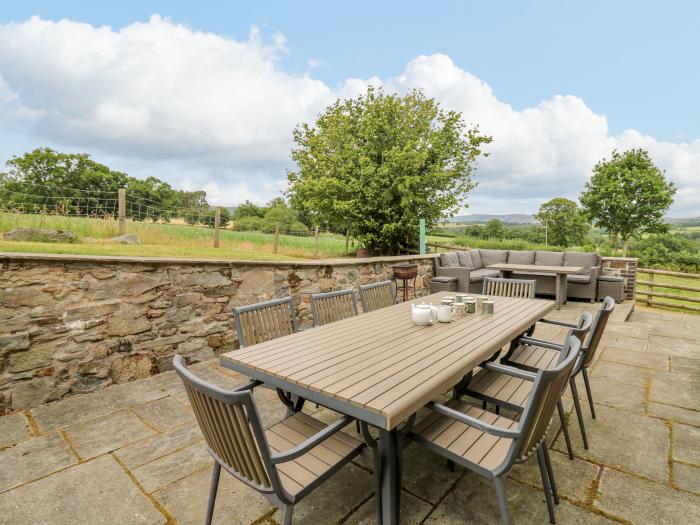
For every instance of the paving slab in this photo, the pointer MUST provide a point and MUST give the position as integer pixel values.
(32, 459)
(413, 512)
(108, 433)
(159, 445)
(682, 415)
(186, 500)
(632, 357)
(621, 373)
(13, 429)
(674, 346)
(426, 474)
(686, 365)
(613, 394)
(675, 329)
(686, 444)
(686, 477)
(98, 491)
(165, 413)
(623, 439)
(640, 501)
(170, 468)
(677, 389)
(629, 343)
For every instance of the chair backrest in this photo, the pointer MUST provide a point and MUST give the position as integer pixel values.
(232, 430)
(542, 401)
(260, 322)
(522, 288)
(376, 295)
(333, 306)
(601, 320)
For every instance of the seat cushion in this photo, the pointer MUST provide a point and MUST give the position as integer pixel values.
(449, 260)
(477, 276)
(465, 259)
(545, 258)
(578, 279)
(476, 259)
(586, 260)
(306, 469)
(440, 432)
(521, 257)
(443, 279)
(532, 357)
(489, 257)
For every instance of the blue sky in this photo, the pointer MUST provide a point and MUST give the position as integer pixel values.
(634, 65)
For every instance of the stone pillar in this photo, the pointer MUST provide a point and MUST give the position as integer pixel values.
(625, 267)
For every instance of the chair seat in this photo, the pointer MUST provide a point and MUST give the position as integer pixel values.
(499, 388)
(470, 444)
(477, 276)
(578, 279)
(299, 473)
(532, 357)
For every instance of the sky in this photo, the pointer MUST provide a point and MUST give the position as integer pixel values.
(206, 94)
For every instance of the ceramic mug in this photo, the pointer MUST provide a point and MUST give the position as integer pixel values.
(470, 306)
(445, 313)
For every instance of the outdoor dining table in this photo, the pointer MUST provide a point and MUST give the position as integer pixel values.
(381, 368)
(559, 273)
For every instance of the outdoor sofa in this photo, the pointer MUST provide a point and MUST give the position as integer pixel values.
(471, 266)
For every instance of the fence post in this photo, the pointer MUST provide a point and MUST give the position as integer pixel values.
(122, 211)
(421, 240)
(347, 239)
(217, 225)
(277, 238)
(316, 242)
(651, 288)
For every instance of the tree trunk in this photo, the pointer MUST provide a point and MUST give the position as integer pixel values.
(625, 244)
(613, 240)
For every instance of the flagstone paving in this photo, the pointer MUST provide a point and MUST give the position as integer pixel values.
(132, 453)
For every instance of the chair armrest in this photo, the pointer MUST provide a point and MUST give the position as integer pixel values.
(509, 370)
(538, 342)
(558, 323)
(311, 442)
(595, 272)
(471, 421)
(460, 272)
(249, 386)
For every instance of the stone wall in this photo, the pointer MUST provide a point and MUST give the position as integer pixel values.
(74, 324)
(625, 267)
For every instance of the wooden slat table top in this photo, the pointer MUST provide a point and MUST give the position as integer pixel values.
(535, 268)
(380, 366)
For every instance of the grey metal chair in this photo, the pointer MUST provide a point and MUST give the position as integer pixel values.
(522, 288)
(490, 444)
(376, 296)
(284, 463)
(260, 322)
(491, 386)
(530, 353)
(329, 307)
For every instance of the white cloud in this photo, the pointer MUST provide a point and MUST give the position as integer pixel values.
(203, 110)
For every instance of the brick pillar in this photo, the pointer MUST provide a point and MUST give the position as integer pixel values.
(625, 267)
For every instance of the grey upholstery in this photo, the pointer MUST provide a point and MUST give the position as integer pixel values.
(449, 260)
(465, 259)
(521, 257)
(586, 260)
(544, 258)
(578, 279)
(476, 259)
(477, 276)
(489, 257)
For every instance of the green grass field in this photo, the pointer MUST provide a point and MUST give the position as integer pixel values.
(167, 240)
(660, 280)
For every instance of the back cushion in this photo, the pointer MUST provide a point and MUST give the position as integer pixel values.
(476, 259)
(586, 260)
(543, 258)
(449, 260)
(465, 259)
(489, 257)
(516, 257)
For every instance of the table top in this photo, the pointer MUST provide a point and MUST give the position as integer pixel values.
(536, 268)
(380, 367)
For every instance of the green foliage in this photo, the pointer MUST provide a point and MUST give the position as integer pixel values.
(378, 163)
(627, 195)
(248, 209)
(566, 225)
(671, 252)
(494, 229)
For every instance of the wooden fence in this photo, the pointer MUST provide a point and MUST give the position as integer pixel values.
(653, 285)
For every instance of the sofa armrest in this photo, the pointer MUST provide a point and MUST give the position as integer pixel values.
(595, 272)
(461, 273)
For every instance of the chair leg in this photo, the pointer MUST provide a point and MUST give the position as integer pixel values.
(587, 383)
(357, 426)
(498, 410)
(502, 502)
(212, 492)
(450, 465)
(550, 472)
(565, 428)
(287, 519)
(483, 405)
(545, 484)
(579, 414)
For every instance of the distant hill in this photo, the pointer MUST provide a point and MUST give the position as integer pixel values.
(478, 218)
(683, 222)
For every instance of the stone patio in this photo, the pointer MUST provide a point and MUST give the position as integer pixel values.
(132, 453)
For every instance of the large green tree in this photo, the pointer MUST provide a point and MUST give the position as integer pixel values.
(627, 195)
(565, 224)
(378, 163)
(494, 229)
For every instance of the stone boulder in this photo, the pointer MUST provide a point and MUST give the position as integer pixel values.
(40, 235)
(129, 238)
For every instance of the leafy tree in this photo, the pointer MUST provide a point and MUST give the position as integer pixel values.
(378, 163)
(277, 202)
(494, 229)
(627, 195)
(286, 217)
(566, 225)
(192, 199)
(248, 209)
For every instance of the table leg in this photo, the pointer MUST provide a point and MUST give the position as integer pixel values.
(390, 476)
(557, 293)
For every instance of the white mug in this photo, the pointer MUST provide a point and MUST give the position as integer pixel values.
(445, 313)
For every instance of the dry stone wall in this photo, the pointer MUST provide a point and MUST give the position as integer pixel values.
(71, 324)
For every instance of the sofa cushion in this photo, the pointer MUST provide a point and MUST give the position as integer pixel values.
(476, 259)
(465, 259)
(489, 257)
(521, 257)
(544, 258)
(449, 260)
(586, 260)
(477, 276)
(578, 279)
